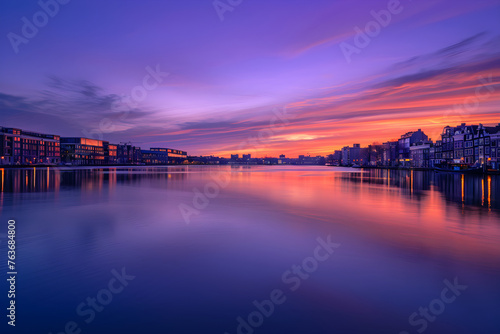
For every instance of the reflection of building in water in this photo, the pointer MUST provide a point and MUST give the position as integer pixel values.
(20, 147)
(43, 179)
(470, 189)
(39, 179)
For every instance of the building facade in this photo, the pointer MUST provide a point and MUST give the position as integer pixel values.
(110, 153)
(20, 147)
(150, 157)
(420, 154)
(404, 144)
(128, 154)
(163, 156)
(82, 151)
(390, 154)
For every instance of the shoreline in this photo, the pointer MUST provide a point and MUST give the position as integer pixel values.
(420, 169)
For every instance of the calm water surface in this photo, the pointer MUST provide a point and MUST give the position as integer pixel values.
(401, 235)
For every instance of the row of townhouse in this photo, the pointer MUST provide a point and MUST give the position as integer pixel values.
(390, 154)
(472, 145)
(20, 147)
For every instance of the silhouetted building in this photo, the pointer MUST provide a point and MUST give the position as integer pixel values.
(336, 158)
(355, 155)
(390, 154)
(128, 154)
(375, 153)
(471, 145)
(420, 154)
(404, 144)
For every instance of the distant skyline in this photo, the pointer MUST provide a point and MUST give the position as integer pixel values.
(214, 84)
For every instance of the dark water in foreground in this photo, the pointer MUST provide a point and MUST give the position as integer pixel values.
(396, 237)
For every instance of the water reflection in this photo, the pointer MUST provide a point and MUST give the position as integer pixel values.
(476, 190)
(401, 232)
(466, 190)
(53, 179)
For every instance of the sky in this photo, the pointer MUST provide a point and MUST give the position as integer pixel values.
(248, 76)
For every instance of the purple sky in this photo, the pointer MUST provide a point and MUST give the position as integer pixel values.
(226, 77)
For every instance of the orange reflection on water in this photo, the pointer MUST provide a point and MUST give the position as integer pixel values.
(463, 188)
(416, 218)
(482, 192)
(112, 178)
(411, 182)
(489, 192)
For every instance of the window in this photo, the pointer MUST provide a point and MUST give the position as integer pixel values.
(487, 141)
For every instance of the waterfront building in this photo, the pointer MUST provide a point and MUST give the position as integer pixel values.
(110, 153)
(175, 156)
(438, 155)
(451, 152)
(420, 154)
(390, 154)
(235, 157)
(336, 158)
(404, 144)
(128, 154)
(21, 147)
(353, 155)
(495, 150)
(150, 157)
(463, 144)
(163, 156)
(247, 157)
(82, 151)
(482, 144)
(469, 144)
(375, 155)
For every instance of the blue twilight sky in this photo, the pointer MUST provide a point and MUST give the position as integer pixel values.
(225, 77)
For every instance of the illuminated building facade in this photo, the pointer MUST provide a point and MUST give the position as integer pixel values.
(173, 156)
(20, 147)
(82, 151)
